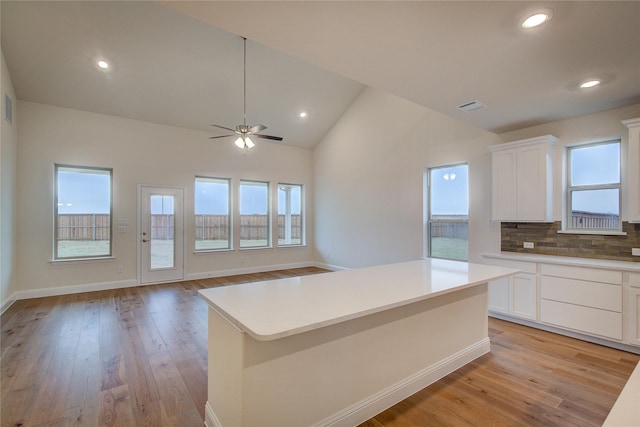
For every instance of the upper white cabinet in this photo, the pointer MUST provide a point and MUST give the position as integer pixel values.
(633, 195)
(522, 180)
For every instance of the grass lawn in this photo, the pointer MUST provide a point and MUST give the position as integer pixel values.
(445, 247)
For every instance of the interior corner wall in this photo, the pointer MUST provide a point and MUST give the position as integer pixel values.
(139, 153)
(589, 128)
(368, 177)
(8, 161)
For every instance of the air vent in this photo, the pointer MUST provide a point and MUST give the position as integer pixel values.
(471, 106)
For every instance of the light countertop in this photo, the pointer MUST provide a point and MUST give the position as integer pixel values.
(278, 308)
(626, 410)
(574, 261)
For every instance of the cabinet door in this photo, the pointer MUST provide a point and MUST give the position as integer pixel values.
(499, 295)
(504, 185)
(634, 316)
(633, 153)
(524, 296)
(531, 183)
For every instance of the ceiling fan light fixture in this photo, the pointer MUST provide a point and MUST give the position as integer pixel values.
(239, 143)
(248, 143)
(589, 83)
(536, 19)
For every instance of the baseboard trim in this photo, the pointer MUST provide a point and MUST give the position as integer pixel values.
(261, 269)
(7, 303)
(377, 403)
(210, 419)
(373, 405)
(119, 284)
(567, 333)
(76, 289)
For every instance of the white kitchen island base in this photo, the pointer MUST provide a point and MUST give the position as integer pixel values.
(340, 361)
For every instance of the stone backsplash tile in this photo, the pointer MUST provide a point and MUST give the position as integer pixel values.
(547, 241)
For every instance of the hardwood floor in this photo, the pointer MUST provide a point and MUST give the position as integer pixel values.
(138, 356)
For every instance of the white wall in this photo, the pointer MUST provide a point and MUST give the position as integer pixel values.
(8, 160)
(368, 177)
(583, 129)
(139, 153)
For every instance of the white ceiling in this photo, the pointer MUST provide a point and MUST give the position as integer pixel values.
(176, 65)
(168, 68)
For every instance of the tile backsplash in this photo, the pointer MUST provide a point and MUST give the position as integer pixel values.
(547, 241)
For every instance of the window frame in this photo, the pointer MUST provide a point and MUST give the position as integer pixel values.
(428, 221)
(302, 217)
(229, 214)
(570, 189)
(267, 184)
(56, 169)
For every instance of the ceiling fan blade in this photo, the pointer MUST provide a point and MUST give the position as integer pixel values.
(257, 128)
(225, 128)
(221, 136)
(275, 138)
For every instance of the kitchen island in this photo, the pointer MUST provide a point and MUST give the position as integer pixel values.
(338, 348)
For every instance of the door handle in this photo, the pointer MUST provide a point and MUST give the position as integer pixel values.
(144, 240)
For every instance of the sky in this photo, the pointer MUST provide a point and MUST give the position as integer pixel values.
(89, 193)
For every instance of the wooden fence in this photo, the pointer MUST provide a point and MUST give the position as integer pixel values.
(252, 227)
(83, 227)
(589, 220)
(451, 226)
(208, 227)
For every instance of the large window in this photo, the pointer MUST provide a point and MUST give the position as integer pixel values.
(447, 227)
(212, 216)
(82, 211)
(593, 187)
(289, 214)
(254, 214)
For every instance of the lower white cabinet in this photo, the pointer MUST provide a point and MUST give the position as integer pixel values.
(516, 295)
(633, 309)
(599, 300)
(582, 299)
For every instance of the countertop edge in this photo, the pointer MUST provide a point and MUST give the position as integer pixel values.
(569, 261)
(242, 327)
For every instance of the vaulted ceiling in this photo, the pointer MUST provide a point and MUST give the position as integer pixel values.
(180, 63)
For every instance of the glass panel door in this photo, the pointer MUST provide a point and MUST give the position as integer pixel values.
(161, 234)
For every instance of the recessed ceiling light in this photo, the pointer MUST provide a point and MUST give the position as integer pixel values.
(302, 114)
(103, 64)
(589, 83)
(536, 19)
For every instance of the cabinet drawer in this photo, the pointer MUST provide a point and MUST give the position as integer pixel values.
(582, 273)
(584, 319)
(526, 267)
(634, 280)
(590, 294)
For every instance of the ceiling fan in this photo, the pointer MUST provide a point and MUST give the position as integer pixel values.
(244, 131)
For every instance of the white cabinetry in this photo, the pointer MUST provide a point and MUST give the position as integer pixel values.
(582, 299)
(633, 186)
(515, 295)
(633, 309)
(522, 180)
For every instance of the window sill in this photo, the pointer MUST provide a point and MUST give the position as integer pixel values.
(212, 251)
(594, 232)
(73, 260)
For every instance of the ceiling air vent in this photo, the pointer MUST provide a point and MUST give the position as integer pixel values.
(471, 106)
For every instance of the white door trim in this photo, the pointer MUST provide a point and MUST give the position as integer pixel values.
(179, 230)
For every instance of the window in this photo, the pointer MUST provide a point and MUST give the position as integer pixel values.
(212, 216)
(254, 214)
(82, 212)
(447, 230)
(289, 214)
(593, 187)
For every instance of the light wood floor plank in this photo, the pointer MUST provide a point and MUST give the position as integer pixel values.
(138, 357)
